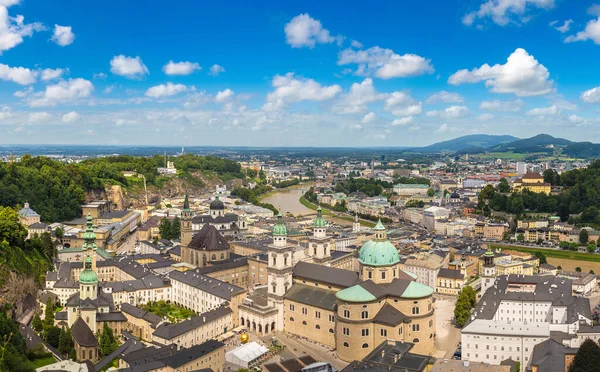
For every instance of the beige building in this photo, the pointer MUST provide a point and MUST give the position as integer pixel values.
(450, 282)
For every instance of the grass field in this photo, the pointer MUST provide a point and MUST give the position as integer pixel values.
(501, 155)
(565, 255)
(43, 361)
(328, 212)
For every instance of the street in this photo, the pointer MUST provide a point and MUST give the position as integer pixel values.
(448, 336)
(129, 243)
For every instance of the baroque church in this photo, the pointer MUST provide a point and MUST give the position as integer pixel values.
(342, 309)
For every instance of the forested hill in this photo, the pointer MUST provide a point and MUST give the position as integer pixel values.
(56, 190)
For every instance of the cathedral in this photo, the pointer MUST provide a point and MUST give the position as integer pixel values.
(342, 309)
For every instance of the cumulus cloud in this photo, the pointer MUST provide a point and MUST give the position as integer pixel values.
(591, 95)
(63, 35)
(564, 28)
(521, 75)
(544, 111)
(290, 89)
(485, 116)
(39, 117)
(356, 101)
(450, 112)
(14, 29)
(505, 106)
(71, 117)
(305, 31)
(64, 91)
(369, 118)
(181, 68)
(356, 44)
(576, 119)
(165, 90)
(51, 74)
(503, 12)
(591, 32)
(443, 128)
(128, 66)
(446, 97)
(216, 70)
(224, 96)
(384, 63)
(19, 75)
(403, 121)
(402, 104)
(100, 75)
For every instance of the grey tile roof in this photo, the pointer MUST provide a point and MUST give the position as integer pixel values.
(314, 296)
(208, 238)
(447, 273)
(207, 218)
(389, 316)
(169, 331)
(82, 334)
(325, 274)
(151, 318)
(207, 284)
(184, 356)
(549, 356)
(111, 317)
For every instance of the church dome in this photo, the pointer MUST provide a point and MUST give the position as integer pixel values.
(319, 220)
(379, 251)
(217, 204)
(88, 275)
(279, 228)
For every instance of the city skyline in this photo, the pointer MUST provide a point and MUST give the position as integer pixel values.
(309, 74)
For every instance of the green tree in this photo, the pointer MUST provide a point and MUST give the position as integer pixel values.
(542, 257)
(53, 336)
(587, 358)
(503, 186)
(583, 236)
(592, 272)
(11, 229)
(558, 267)
(521, 238)
(465, 302)
(49, 314)
(551, 177)
(591, 247)
(176, 228)
(37, 324)
(430, 192)
(578, 269)
(108, 343)
(165, 228)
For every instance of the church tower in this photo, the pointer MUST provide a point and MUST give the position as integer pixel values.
(356, 224)
(186, 230)
(489, 271)
(89, 241)
(279, 269)
(319, 247)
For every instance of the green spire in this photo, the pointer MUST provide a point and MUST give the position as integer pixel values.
(89, 236)
(379, 225)
(319, 220)
(279, 228)
(489, 253)
(88, 276)
(186, 204)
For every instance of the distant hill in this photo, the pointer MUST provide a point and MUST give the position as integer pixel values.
(471, 142)
(541, 141)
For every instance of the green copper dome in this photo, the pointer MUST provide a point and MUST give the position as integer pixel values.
(279, 228)
(88, 276)
(319, 220)
(379, 251)
(356, 293)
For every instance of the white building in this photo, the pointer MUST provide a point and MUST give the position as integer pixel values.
(431, 214)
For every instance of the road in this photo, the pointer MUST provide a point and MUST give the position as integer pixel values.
(129, 243)
(448, 336)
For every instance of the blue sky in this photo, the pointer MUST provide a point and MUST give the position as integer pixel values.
(310, 73)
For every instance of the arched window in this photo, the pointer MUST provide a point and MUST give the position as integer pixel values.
(346, 344)
(365, 346)
(273, 288)
(346, 314)
(415, 310)
(291, 318)
(274, 260)
(416, 341)
(330, 330)
(214, 257)
(304, 322)
(318, 326)
(285, 261)
(364, 315)
(222, 256)
(90, 355)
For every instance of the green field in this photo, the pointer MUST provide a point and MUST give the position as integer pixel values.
(43, 361)
(551, 253)
(328, 212)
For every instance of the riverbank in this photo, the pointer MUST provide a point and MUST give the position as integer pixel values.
(334, 214)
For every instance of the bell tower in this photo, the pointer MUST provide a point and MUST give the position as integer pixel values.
(319, 247)
(488, 277)
(279, 268)
(356, 224)
(186, 230)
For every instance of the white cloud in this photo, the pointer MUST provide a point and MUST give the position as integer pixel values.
(63, 35)
(384, 63)
(216, 70)
(576, 119)
(485, 116)
(450, 112)
(443, 128)
(290, 89)
(356, 101)
(505, 106)
(51, 74)
(121, 122)
(446, 97)
(564, 28)
(19, 75)
(39, 117)
(356, 44)
(304, 31)
(100, 75)
(23, 93)
(13, 29)
(181, 68)
(402, 104)
(224, 95)
(71, 117)
(128, 66)
(369, 118)
(591, 32)
(403, 121)
(544, 111)
(9, 3)
(165, 90)
(591, 95)
(594, 10)
(503, 12)
(64, 91)
(522, 75)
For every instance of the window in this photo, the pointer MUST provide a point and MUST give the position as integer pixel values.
(274, 260)
(330, 330)
(383, 275)
(318, 314)
(346, 331)
(415, 328)
(304, 322)
(291, 318)
(384, 332)
(331, 318)
(318, 326)
(370, 275)
(304, 311)
(346, 344)
(365, 332)
(431, 323)
(416, 341)
(415, 310)
(365, 346)
(400, 330)
(346, 314)
(291, 307)
(364, 315)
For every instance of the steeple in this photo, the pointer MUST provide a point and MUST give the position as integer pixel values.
(380, 231)
(186, 204)
(279, 232)
(89, 241)
(355, 224)
(186, 226)
(88, 281)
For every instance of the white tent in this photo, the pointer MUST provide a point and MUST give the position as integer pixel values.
(245, 354)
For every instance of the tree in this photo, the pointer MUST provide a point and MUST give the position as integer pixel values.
(37, 324)
(107, 341)
(49, 314)
(465, 302)
(53, 336)
(578, 269)
(521, 238)
(65, 342)
(551, 177)
(583, 236)
(165, 228)
(542, 257)
(59, 233)
(176, 228)
(592, 272)
(587, 357)
(591, 247)
(558, 267)
(430, 192)
(503, 186)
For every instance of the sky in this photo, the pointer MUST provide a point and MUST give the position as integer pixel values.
(296, 73)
